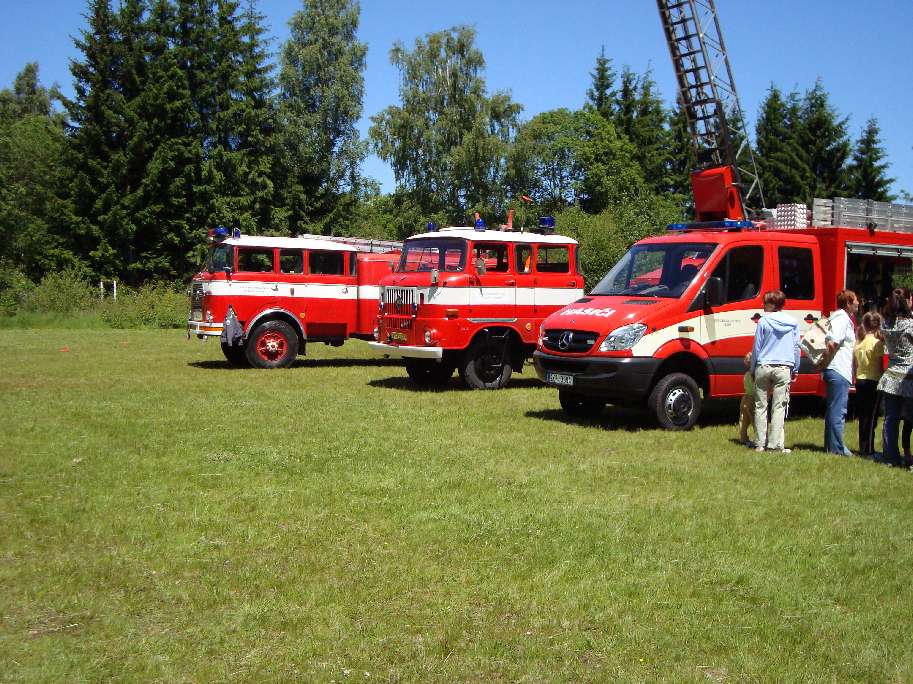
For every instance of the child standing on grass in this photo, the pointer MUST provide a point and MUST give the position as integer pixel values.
(746, 406)
(868, 355)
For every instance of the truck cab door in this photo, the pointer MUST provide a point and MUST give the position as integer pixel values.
(728, 328)
(798, 274)
(254, 284)
(494, 299)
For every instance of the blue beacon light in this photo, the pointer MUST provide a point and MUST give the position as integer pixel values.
(480, 224)
(431, 227)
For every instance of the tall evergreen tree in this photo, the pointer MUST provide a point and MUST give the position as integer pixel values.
(782, 165)
(868, 170)
(97, 143)
(448, 141)
(823, 137)
(322, 88)
(626, 103)
(650, 136)
(601, 95)
(682, 159)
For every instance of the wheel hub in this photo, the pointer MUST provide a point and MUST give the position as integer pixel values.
(271, 346)
(679, 405)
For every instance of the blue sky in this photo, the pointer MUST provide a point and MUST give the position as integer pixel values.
(542, 51)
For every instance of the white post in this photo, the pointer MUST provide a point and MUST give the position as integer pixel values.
(114, 289)
(101, 289)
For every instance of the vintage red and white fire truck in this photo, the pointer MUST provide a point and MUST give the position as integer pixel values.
(472, 299)
(671, 322)
(266, 297)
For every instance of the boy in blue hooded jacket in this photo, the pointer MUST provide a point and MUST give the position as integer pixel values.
(774, 365)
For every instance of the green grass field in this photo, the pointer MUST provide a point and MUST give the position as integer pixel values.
(165, 517)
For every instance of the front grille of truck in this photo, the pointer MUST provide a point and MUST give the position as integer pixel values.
(569, 341)
(196, 301)
(399, 307)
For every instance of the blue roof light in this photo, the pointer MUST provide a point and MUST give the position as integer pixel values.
(220, 232)
(547, 224)
(727, 224)
(236, 233)
(480, 224)
(432, 227)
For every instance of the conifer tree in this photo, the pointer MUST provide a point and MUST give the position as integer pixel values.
(868, 170)
(823, 137)
(782, 166)
(650, 136)
(601, 96)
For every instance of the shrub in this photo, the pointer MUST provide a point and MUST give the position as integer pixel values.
(62, 292)
(154, 305)
(15, 289)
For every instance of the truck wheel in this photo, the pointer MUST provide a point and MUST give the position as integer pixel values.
(234, 354)
(676, 401)
(428, 373)
(272, 345)
(486, 364)
(582, 407)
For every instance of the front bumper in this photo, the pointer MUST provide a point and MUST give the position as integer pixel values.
(404, 352)
(622, 380)
(203, 329)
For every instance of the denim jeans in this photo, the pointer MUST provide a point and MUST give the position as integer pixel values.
(893, 407)
(838, 392)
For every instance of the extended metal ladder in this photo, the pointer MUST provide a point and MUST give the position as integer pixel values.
(707, 91)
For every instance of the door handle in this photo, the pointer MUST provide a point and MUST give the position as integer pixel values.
(756, 317)
(276, 287)
(511, 282)
(571, 283)
(810, 319)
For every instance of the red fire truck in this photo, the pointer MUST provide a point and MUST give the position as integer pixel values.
(266, 297)
(473, 299)
(671, 322)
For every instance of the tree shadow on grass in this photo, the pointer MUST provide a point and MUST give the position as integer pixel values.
(403, 383)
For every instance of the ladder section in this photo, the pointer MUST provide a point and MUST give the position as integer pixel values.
(707, 90)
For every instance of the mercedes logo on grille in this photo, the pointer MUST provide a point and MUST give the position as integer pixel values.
(399, 298)
(567, 337)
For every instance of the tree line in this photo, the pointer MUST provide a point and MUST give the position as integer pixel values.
(182, 119)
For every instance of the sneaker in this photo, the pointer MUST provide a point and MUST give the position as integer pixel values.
(748, 443)
(782, 450)
(759, 449)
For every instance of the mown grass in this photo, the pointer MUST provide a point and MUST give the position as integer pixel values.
(167, 518)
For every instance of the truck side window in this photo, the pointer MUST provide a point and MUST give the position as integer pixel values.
(254, 260)
(523, 256)
(495, 257)
(552, 259)
(326, 263)
(797, 272)
(353, 263)
(741, 271)
(291, 261)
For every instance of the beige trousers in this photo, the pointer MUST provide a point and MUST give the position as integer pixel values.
(776, 380)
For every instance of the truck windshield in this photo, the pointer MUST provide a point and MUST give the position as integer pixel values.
(656, 270)
(219, 257)
(430, 254)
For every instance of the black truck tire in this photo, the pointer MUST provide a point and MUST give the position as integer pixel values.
(676, 401)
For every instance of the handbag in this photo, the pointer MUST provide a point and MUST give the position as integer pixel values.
(813, 343)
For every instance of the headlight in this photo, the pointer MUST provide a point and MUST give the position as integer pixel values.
(542, 334)
(624, 337)
(376, 333)
(430, 334)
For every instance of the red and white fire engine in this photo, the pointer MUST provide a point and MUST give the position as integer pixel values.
(266, 297)
(671, 322)
(472, 299)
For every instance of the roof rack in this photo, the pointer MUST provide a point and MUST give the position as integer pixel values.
(845, 212)
(361, 244)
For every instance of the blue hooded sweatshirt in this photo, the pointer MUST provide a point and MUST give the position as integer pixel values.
(776, 341)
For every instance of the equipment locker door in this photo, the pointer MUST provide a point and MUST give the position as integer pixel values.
(555, 282)
(332, 295)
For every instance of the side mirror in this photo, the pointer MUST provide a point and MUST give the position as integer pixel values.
(227, 270)
(713, 292)
(480, 266)
(435, 276)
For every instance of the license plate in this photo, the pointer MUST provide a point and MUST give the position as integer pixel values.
(398, 336)
(559, 379)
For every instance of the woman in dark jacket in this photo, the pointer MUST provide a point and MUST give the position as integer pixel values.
(896, 384)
